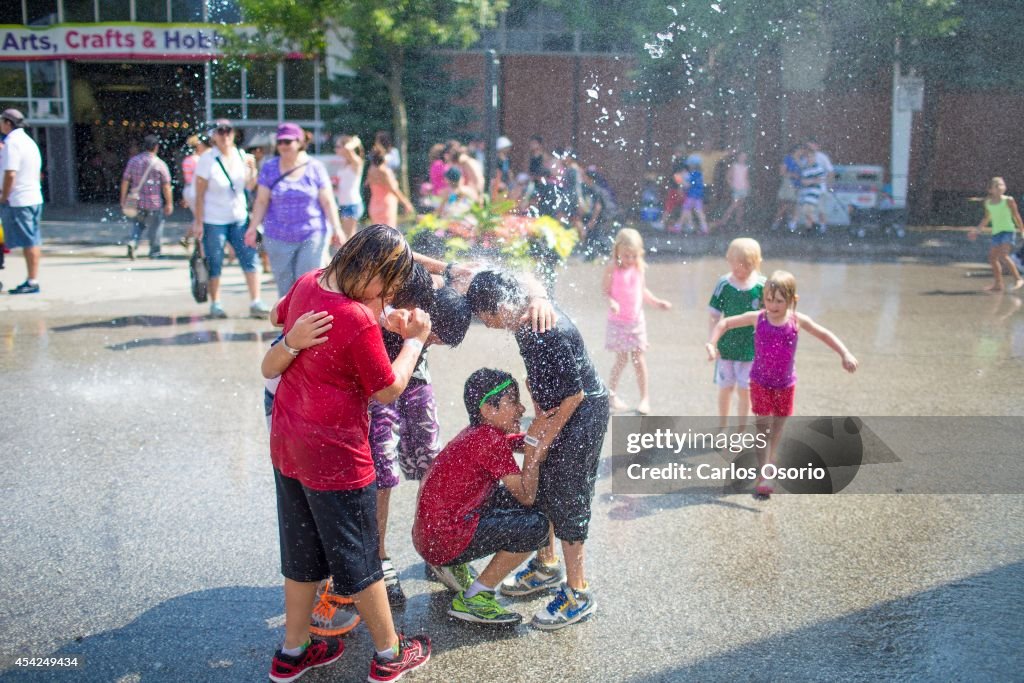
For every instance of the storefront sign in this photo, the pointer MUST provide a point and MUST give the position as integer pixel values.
(115, 41)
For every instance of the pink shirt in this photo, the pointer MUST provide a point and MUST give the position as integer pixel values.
(438, 183)
(775, 352)
(628, 290)
(739, 176)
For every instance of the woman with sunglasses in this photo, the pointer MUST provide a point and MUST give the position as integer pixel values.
(295, 204)
(222, 175)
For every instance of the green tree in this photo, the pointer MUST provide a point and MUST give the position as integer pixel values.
(431, 96)
(380, 35)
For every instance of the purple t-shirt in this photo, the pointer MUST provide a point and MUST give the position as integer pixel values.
(294, 213)
(775, 353)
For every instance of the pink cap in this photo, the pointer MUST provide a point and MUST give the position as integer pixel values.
(290, 131)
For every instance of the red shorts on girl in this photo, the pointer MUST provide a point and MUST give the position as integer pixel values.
(768, 401)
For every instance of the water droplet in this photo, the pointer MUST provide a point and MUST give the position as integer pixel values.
(592, 93)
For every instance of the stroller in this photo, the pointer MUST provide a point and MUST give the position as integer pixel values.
(862, 203)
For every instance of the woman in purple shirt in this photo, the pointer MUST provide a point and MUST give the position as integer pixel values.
(295, 204)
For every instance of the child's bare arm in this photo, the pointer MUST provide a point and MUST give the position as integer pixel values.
(830, 339)
(308, 330)
(274, 319)
(556, 419)
(606, 287)
(1012, 203)
(539, 313)
(523, 486)
(649, 298)
(722, 326)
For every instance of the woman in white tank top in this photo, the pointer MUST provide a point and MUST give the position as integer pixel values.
(348, 172)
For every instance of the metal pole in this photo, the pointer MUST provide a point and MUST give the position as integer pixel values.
(490, 112)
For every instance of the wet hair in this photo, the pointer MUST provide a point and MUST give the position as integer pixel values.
(376, 157)
(482, 382)
(150, 143)
(747, 249)
(491, 289)
(375, 251)
(450, 316)
(781, 282)
(383, 138)
(453, 175)
(417, 292)
(628, 238)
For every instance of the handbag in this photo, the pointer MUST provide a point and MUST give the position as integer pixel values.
(199, 273)
(131, 202)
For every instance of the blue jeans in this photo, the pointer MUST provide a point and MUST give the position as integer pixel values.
(151, 221)
(292, 260)
(214, 239)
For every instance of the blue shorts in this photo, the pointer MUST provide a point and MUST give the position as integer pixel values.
(351, 210)
(21, 225)
(214, 239)
(1001, 238)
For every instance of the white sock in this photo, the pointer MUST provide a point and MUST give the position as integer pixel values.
(294, 651)
(390, 653)
(476, 588)
(33, 281)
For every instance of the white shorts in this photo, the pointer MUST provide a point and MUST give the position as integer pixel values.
(731, 373)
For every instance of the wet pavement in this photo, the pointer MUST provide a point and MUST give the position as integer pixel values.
(140, 528)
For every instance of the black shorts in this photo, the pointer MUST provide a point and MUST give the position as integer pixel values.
(568, 475)
(505, 524)
(328, 533)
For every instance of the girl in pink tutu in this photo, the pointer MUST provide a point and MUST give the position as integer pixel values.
(627, 292)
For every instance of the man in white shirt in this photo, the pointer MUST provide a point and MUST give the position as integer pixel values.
(21, 197)
(823, 160)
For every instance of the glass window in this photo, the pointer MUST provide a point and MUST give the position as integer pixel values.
(224, 12)
(40, 12)
(151, 10)
(261, 80)
(226, 80)
(264, 112)
(186, 10)
(10, 13)
(115, 10)
(298, 79)
(45, 79)
(80, 11)
(227, 111)
(298, 112)
(13, 82)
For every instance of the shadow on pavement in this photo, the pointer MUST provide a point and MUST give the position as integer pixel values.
(971, 629)
(132, 320)
(196, 338)
(222, 634)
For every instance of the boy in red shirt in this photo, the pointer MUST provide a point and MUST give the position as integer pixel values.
(474, 499)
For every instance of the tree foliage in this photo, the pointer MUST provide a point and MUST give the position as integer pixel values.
(380, 36)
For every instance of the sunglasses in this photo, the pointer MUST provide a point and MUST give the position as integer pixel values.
(223, 130)
(286, 142)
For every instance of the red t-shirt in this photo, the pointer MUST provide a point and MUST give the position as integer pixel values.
(320, 424)
(461, 479)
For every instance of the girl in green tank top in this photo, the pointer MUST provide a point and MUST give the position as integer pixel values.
(1002, 214)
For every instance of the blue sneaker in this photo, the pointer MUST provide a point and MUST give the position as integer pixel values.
(216, 310)
(567, 607)
(535, 577)
(25, 288)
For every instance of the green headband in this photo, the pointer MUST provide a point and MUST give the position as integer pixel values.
(496, 390)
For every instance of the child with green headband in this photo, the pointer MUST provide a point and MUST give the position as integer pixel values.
(474, 500)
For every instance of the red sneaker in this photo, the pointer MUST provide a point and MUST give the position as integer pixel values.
(320, 652)
(413, 653)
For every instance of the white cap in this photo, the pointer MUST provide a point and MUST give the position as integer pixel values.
(502, 143)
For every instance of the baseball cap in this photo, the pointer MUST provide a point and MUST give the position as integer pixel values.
(14, 116)
(502, 143)
(290, 131)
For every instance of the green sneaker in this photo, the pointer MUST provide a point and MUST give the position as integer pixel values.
(456, 578)
(482, 608)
